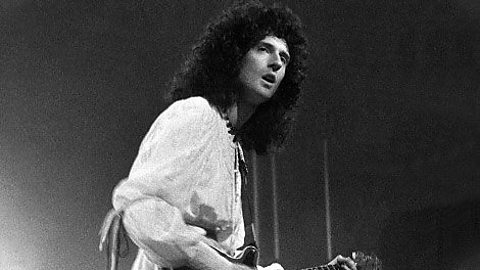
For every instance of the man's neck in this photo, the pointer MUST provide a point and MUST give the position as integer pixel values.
(239, 113)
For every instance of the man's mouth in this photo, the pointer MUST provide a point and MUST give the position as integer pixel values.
(270, 78)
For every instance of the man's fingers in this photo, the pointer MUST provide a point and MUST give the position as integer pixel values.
(346, 263)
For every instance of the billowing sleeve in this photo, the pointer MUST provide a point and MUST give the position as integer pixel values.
(157, 192)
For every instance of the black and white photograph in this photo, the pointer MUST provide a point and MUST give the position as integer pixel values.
(239, 134)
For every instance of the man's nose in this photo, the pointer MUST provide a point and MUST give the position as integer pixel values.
(275, 62)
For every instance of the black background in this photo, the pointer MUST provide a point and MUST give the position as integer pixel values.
(393, 87)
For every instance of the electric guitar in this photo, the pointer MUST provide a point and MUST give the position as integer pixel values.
(249, 257)
(112, 228)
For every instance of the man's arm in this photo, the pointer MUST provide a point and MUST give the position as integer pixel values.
(206, 258)
(158, 228)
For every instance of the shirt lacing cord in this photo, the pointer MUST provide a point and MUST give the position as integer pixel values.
(112, 235)
(246, 200)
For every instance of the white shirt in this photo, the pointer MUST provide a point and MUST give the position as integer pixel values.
(184, 187)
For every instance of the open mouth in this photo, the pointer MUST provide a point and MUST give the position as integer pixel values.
(269, 78)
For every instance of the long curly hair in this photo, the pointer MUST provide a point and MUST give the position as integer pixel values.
(212, 69)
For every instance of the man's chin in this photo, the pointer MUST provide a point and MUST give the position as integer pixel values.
(263, 99)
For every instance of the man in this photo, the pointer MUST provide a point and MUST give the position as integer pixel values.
(182, 201)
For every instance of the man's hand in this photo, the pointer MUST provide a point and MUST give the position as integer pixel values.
(273, 266)
(345, 262)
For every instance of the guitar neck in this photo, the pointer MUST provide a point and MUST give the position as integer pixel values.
(323, 267)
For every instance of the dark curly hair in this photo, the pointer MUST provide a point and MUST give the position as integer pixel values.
(212, 69)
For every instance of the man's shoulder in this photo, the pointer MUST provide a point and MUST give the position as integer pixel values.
(193, 104)
(192, 109)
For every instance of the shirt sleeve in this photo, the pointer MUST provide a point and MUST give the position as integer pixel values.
(161, 181)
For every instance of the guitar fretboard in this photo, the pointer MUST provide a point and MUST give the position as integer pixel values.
(324, 267)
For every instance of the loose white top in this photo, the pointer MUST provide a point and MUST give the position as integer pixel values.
(184, 187)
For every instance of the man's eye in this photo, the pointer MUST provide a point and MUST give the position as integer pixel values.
(285, 59)
(262, 49)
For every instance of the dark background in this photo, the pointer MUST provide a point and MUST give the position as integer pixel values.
(393, 87)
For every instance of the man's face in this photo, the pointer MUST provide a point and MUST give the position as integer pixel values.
(263, 69)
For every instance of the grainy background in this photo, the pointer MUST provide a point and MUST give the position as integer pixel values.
(393, 87)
